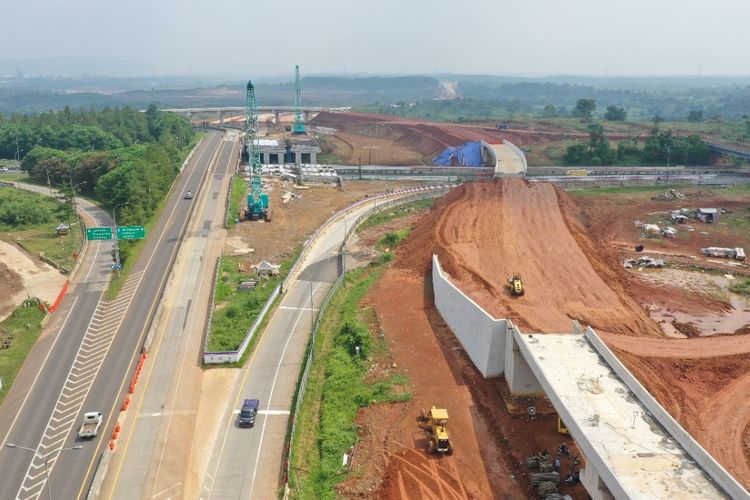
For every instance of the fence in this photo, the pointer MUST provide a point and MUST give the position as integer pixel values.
(393, 199)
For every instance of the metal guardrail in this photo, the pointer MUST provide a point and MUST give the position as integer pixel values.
(382, 196)
(400, 199)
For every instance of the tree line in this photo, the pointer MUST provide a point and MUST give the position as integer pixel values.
(118, 156)
(660, 147)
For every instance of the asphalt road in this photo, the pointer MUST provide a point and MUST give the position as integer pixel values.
(153, 453)
(92, 358)
(248, 463)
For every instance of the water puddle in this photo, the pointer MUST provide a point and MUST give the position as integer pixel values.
(705, 324)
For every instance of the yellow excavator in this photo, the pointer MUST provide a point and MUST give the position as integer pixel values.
(515, 285)
(436, 423)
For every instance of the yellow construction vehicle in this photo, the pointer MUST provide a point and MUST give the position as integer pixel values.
(515, 285)
(436, 423)
(561, 428)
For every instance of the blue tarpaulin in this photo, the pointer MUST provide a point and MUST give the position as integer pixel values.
(468, 154)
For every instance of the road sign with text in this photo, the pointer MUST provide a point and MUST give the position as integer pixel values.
(131, 232)
(98, 233)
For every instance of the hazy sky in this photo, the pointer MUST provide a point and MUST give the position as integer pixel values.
(502, 37)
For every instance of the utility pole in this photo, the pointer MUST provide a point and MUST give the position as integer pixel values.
(45, 459)
(312, 312)
(117, 244)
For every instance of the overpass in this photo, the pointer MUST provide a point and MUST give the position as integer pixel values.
(631, 446)
(224, 112)
(507, 158)
(728, 149)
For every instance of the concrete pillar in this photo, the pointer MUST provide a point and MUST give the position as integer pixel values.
(297, 158)
(266, 158)
(594, 485)
(221, 117)
(314, 158)
(276, 117)
(306, 115)
(520, 378)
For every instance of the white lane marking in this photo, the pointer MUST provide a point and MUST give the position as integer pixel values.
(273, 386)
(266, 412)
(33, 383)
(290, 308)
(211, 168)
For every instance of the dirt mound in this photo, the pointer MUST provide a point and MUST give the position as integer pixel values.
(484, 232)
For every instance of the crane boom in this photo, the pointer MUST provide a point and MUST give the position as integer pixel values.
(257, 200)
(299, 127)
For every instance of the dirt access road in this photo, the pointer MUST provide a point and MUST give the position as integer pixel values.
(482, 233)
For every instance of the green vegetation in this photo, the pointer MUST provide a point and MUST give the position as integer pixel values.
(390, 240)
(237, 191)
(339, 384)
(235, 310)
(29, 219)
(22, 328)
(341, 381)
(396, 212)
(741, 287)
(117, 157)
(661, 147)
(622, 190)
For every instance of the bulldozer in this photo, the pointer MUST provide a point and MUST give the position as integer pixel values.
(515, 285)
(436, 422)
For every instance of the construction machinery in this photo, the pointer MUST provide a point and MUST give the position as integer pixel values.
(561, 427)
(257, 200)
(299, 127)
(515, 285)
(436, 423)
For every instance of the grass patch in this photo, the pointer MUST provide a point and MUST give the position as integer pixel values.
(392, 239)
(741, 287)
(24, 326)
(235, 310)
(340, 384)
(237, 191)
(39, 238)
(626, 189)
(395, 213)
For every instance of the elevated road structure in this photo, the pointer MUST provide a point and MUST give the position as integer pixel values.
(632, 447)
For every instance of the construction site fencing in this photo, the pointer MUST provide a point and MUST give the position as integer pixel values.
(211, 304)
(391, 200)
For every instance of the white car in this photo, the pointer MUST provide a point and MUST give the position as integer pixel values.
(188, 195)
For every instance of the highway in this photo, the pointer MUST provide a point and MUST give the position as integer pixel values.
(248, 463)
(89, 369)
(154, 450)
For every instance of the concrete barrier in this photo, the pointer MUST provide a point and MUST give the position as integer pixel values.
(234, 356)
(482, 336)
(720, 475)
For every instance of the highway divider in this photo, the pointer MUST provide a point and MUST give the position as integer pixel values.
(102, 467)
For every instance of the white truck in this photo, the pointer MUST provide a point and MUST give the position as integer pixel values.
(92, 420)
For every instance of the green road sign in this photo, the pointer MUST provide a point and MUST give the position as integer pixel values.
(131, 232)
(98, 233)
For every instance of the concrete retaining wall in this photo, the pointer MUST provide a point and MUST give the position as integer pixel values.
(704, 460)
(481, 335)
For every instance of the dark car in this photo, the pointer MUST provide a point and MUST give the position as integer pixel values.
(248, 412)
